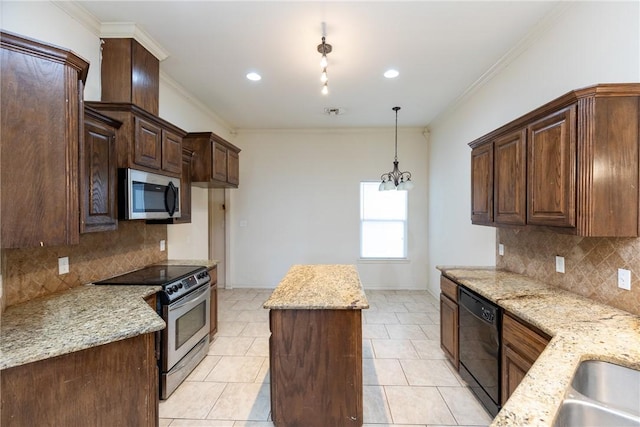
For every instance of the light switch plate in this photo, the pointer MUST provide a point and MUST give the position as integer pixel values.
(500, 249)
(163, 245)
(63, 265)
(559, 264)
(624, 279)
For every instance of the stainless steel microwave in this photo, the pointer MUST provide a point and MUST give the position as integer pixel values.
(145, 195)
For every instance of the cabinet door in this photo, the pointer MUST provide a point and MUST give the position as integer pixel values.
(98, 211)
(514, 368)
(449, 329)
(219, 163)
(148, 139)
(521, 346)
(482, 184)
(551, 197)
(171, 152)
(233, 168)
(41, 112)
(185, 189)
(509, 179)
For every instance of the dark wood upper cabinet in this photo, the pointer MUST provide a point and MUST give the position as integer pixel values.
(509, 180)
(130, 73)
(482, 184)
(144, 141)
(98, 173)
(552, 169)
(216, 161)
(41, 124)
(582, 165)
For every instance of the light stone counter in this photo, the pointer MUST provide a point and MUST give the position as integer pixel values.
(77, 319)
(330, 287)
(582, 329)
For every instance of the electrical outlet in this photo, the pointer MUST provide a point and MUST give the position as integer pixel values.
(559, 264)
(624, 279)
(500, 249)
(63, 265)
(163, 245)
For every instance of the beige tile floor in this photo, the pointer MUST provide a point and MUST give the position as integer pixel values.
(407, 381)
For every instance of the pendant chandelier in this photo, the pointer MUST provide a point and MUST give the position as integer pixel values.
(396, 180)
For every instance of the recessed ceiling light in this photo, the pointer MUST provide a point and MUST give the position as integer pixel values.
(254, 77)
(391, 74)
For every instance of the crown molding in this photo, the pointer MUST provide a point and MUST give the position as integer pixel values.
(112, 30)
(119, 30)
(525, 43)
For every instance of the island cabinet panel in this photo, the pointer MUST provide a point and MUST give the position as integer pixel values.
(41, 127)
(521, 346)
(316, 368)
(449, 311)
(110, 385)
(552, 170)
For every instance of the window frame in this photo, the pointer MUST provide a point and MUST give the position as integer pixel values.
(405, 221)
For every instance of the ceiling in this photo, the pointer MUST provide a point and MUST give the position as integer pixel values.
(440, 48)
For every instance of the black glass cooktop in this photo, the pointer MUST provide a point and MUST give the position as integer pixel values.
(155, 275)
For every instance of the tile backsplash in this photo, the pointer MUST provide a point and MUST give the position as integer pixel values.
(33, 272)
(591, 263)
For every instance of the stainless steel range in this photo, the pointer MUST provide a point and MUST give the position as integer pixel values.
(184, 304)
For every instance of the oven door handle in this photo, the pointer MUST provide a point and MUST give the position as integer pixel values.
(193, 298)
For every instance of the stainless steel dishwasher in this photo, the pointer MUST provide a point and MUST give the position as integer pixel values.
(479, 332)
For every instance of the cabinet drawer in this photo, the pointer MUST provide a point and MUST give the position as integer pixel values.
(528, 342)
(449, 288)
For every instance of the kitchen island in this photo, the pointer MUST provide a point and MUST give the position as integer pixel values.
(315, 348)
(581, 329)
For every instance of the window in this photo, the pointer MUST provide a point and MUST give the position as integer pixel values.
(383, 222)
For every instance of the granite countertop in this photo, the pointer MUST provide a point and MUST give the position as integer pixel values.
(77, 319)
(330, 287)
(581, 329)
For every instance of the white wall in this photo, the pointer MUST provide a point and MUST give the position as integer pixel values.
(299, 198)
(588, 43)
(190, 241)
(46, 22)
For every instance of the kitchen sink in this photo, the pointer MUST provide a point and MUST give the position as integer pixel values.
(583, 413)
(601, 394)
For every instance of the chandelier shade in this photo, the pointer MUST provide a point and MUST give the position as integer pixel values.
(396, 180)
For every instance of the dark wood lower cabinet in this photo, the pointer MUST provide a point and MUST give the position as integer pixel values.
(449, 334)
(315, 359)
(213, 308)
(111, 385)
(521, 346)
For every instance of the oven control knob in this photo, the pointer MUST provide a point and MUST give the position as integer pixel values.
(169, 291)
(180, 285)
(174, 288)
